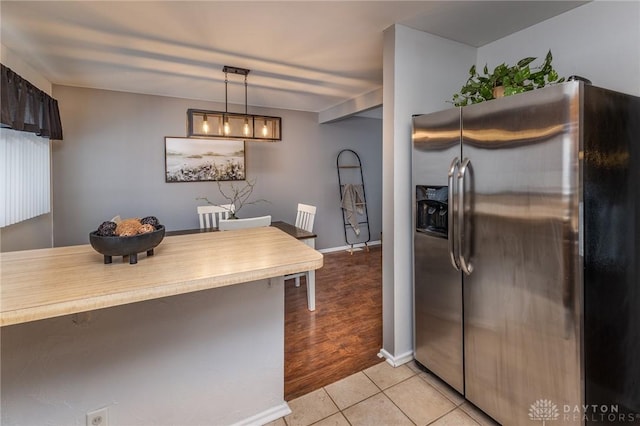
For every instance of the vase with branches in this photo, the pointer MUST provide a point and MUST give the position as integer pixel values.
(237, 196)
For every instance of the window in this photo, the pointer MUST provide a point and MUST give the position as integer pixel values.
(25, 178)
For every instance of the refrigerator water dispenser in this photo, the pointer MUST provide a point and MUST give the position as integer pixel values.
(432, 210)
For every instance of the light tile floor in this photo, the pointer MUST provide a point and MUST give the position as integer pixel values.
(385, 396)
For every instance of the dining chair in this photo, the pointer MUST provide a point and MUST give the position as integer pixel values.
(209, 216)
(305, 218)
(250, 222)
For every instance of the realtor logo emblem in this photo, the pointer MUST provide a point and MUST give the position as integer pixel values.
(543, 410)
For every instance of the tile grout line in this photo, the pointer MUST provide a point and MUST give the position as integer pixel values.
(380, 391)
(422, 375)
(476, 414)
(425, 373)
(401, 381)
(395, 384)
(355, 403)
(336, 404)
(443, 394)
(447, 413)
(457, 406)
(385, 395)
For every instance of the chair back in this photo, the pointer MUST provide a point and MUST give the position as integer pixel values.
(305, 217)
(209, 216)
(250, 222)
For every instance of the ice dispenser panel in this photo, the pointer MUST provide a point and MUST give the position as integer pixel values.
(432, 210)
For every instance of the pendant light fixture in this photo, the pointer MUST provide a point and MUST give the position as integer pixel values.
(231, 125)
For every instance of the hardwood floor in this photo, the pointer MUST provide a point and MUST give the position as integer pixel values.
(344, 334)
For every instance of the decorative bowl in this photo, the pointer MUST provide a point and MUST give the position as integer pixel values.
(126, 246)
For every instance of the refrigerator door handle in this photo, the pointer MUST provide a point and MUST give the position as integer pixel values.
(465, 265)
(451, 214)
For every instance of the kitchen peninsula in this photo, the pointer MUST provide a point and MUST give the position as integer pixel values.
(191, 335)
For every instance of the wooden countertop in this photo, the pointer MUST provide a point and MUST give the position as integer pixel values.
(39, 284)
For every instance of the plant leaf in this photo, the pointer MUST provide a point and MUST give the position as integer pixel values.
(512, 90)
(509, 90)
(500, 70)
(536, 75)
(526, 61)
(522, 75)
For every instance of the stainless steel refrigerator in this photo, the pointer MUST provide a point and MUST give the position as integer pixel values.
(526, 243)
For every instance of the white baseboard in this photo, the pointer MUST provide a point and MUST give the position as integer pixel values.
(355, 246)
(266, 416)
(396, 361)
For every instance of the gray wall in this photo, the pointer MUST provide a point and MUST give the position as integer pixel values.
(30, 234)
(111, 162)
(598, 41)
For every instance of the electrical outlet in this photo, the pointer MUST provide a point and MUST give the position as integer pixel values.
(97, 417)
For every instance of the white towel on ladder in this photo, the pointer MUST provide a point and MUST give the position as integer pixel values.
(353, 204)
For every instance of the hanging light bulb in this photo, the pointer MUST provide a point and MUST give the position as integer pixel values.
(226, 128)
(245, 129)
(205, 124)
(265, 129)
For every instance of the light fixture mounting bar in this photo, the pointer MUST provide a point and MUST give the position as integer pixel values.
(235, 70)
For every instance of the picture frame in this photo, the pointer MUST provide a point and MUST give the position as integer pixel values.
(203, 160)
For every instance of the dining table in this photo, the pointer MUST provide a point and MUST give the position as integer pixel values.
(294, 231)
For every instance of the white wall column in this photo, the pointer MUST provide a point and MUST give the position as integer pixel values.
(421, 73)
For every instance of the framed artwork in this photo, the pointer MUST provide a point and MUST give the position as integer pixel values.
(198, 160)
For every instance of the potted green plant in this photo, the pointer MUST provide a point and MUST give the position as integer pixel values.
(506, 80)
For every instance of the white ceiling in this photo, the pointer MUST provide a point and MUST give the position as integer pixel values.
(303, 55)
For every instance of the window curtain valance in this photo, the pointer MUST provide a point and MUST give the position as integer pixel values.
(27, 108)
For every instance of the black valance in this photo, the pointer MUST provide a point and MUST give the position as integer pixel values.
(27, 108)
